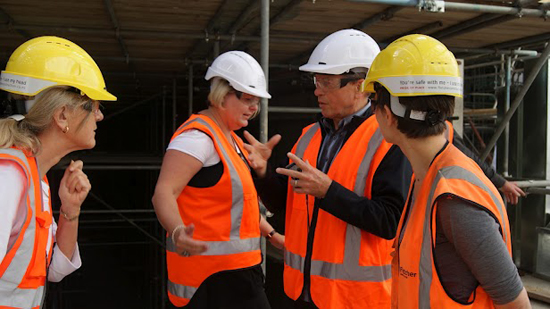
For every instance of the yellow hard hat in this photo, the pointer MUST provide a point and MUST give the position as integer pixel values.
(415, 65)
(49, 61)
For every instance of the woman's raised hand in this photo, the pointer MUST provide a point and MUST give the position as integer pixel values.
(259, 153)
(74, 187)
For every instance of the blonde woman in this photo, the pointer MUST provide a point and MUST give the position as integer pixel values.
(61, 115)
(206, 200)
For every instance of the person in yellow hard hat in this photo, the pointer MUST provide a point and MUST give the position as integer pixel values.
(56, 87)
(453, 246)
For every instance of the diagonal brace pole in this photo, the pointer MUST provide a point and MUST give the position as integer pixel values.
(102, 202)
(517, 101)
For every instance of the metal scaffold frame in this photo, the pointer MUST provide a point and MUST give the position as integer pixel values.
(170, 118)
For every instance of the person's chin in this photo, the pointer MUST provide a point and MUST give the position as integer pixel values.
(326, 114)
(324, 109)
(91, 144)
(237, 126)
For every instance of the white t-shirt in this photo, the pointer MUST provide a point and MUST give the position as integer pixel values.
(198, 145)
(12, 208)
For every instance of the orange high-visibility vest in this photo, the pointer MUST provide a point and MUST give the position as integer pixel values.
(24, 267)
(350, 268)
(226, 216)
(416, 282)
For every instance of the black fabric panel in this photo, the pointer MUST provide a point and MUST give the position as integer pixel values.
(207, 176)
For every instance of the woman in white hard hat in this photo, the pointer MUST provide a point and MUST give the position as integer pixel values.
(59, 110)
(206, 200)
(453, 246)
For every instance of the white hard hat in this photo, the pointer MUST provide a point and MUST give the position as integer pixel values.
(342, 51)
(242, 72)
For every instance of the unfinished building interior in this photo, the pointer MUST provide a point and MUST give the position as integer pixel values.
(154, 55)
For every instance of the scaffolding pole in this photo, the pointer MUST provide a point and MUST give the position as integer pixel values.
(532, 183)
(506, 108)
(264, 101)
(163, 118)
(465, 7)
(174, 104)
(190, 92)
(117, 212)
(543, 191)
(265, 66)
(294, 110)
(138, 103)
(517, 101)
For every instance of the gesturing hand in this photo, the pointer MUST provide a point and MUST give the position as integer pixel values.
(74, 187)
(512, 192)
(309, 181)
(185, 244)
(259, 153)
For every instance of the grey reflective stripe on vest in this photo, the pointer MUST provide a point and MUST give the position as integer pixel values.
(343, 271)
(305, 139)
(223, 247)
(182, 291)
(350, 269)
(425, 267)
(10, 295)
(22, 298)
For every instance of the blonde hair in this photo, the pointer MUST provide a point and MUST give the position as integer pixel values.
(24, 134)
(219, 88)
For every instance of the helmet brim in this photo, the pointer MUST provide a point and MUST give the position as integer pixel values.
(331, 69)
(31, 86)
(98, 95)
(212, 72)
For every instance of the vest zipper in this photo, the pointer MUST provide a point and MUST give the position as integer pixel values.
(42, 306)
(309, 251)
(405, 221)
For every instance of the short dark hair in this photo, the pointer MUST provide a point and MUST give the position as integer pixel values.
(444, 104)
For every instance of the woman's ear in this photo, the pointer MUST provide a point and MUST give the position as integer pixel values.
(60, 117)
(225, 98)
(391, 119)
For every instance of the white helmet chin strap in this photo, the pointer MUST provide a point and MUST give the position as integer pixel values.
(431, 117)
(400, 110)
(17, 117)
(29, 104)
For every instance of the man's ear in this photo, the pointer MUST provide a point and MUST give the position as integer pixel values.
(358, 93)
(60, 117)
(358, 84)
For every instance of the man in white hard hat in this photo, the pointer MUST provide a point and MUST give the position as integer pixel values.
(345, 194)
